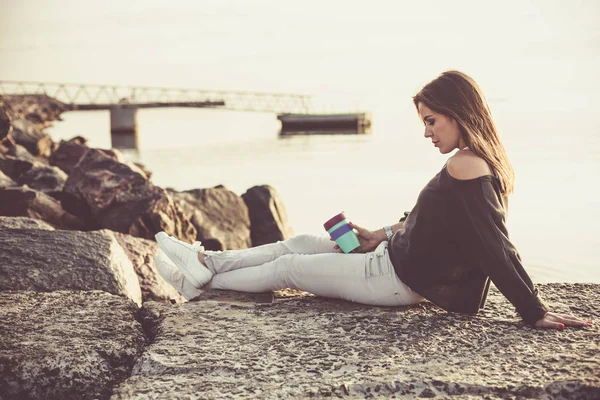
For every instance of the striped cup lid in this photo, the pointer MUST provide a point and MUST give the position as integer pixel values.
(334, 220)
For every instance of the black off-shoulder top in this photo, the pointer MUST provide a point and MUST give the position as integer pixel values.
(455, 240)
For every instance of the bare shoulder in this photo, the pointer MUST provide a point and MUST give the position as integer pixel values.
(467, 165)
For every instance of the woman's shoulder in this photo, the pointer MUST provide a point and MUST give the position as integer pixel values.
(465, 165)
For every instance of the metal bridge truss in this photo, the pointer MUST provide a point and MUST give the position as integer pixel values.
(99, 97)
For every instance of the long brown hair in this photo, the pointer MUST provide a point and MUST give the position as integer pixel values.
(456, 95)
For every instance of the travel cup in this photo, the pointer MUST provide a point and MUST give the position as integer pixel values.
(340, 230)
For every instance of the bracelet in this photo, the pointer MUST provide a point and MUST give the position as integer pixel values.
(388, 232)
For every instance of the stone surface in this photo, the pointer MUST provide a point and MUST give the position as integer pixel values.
(44, 179)
(33, 259)
(24, 223)
(39, 109)
(5, 181)
(25, 202)
(5, 125)
(141, 252)
(68, 153)
(219, 215)
(110, 194)
(79, 140)
(16, 150)
(29, 115)
(14, 167)
(66, 344)
(30, 136)
(301, 347)
(268, 218)
(5, 143)
(141, 167)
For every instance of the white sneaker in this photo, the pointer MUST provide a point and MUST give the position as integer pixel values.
(171, 274)
(185, 257)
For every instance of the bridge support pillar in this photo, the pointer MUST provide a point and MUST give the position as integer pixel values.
(123, 128)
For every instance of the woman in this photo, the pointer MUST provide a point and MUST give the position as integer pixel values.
(446, 250)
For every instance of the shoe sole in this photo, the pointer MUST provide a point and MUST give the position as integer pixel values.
(160, 259)
(162, 238)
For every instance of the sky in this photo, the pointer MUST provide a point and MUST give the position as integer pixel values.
(532, 51)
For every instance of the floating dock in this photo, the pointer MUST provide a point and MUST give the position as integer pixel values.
(347, 123)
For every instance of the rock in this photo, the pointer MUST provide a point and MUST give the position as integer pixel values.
(25, 202)
(142, 168)
(5, 181)
(314, 347)
(5, 125)
(41, 110)
(116, 197)
(117, 155)
(14, 167)
(219, 215)
(268, 218)
(42, 260)
(141, 252)
(5, 144)
(68, 153)
(79, 140)
(427, 393)
(23, 223)
(66, 344)
(20, 152)
(44, 179)
(27, 134)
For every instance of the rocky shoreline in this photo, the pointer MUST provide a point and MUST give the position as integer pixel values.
(72, 186)
(85, 314)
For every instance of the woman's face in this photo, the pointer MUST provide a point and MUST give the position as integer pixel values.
(443, 131)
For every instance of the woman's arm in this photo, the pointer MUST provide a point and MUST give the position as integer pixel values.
(369, 240)
(484, 239)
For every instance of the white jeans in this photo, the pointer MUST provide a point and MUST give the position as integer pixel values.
(310, 263)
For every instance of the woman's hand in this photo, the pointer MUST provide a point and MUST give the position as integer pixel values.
(559, 321)
(368, 240)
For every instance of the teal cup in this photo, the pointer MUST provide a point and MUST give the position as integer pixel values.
(340, 230)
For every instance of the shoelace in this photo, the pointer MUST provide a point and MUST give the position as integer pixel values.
(197, 245)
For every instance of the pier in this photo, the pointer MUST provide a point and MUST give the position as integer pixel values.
(344, 123)
(295, 111)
